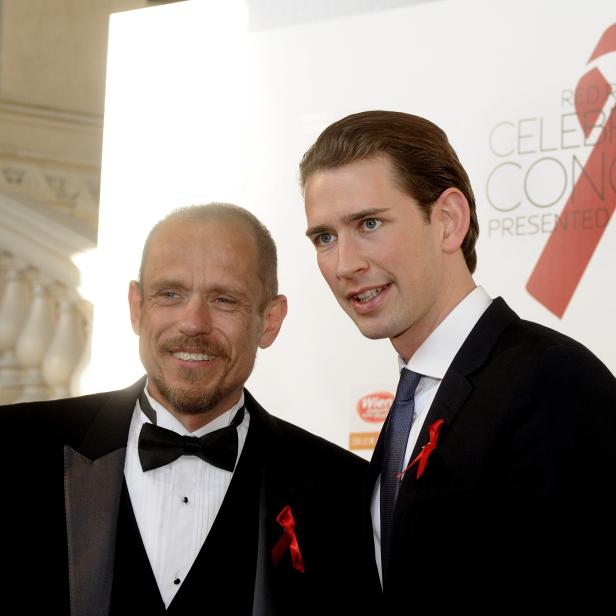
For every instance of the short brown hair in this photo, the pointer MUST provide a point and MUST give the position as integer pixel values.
(227, 212)
(425, 164)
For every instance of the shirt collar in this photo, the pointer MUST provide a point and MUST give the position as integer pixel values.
(435, 355)
(167, 420)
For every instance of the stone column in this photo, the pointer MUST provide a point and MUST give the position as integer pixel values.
(13, 313)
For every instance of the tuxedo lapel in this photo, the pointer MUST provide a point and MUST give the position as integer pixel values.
(92, 495)
(93, 473)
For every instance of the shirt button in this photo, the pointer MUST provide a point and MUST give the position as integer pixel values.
(185, 499)
(176, 581)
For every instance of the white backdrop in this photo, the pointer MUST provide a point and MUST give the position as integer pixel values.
(199, 109)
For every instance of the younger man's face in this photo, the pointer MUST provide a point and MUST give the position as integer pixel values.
(380, 257)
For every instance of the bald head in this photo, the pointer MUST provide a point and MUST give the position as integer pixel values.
(236, 218)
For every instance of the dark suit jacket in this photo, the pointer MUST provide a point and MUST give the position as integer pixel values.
(515, 504)
(59, 529)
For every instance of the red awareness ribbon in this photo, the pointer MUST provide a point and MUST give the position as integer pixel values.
(426, 450)
(288, 541)
(571, 244)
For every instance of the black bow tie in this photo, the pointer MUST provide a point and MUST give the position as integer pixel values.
(159, 446)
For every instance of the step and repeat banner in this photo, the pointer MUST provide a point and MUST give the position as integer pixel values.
(201, 108)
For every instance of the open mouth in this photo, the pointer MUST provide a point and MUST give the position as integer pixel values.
(367, 296)
(185, 356)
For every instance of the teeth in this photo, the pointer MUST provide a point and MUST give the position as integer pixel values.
(366, 296)
(193, 356)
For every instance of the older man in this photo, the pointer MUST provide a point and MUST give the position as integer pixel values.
(180, 494)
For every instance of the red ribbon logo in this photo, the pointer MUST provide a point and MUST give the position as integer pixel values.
(422, 459)
(288, 541)
(570, 247)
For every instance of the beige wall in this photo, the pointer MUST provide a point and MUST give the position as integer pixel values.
(52, 52)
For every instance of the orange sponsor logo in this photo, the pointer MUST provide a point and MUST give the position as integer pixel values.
(374, 407)
(363, 440)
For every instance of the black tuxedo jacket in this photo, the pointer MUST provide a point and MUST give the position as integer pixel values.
(515, 503)
(62, 474)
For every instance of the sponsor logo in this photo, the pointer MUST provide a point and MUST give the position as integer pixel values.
(374, 407)
(363, 440)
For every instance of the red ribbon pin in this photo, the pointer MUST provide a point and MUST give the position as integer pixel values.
(288, 541)
(426, 450)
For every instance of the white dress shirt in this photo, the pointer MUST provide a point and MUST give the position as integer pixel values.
(432, 360)
(175, 505)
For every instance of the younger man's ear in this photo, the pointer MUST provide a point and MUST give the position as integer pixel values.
(455, 216)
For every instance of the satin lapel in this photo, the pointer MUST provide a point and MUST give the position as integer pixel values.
(93, 473)
(92, 495)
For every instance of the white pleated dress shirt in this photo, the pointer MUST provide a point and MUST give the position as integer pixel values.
(432, 360)
(175, 505)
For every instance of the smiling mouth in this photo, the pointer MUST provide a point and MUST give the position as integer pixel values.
(184, 356)
(369, 295)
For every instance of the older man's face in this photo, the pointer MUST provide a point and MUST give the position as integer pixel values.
(198, 315)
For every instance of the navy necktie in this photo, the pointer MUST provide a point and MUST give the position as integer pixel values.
(394, 447)
(159, 446)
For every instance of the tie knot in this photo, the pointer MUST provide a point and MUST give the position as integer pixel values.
(407, 385)
(192, 445)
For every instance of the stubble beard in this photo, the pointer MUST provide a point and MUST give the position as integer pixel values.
(187, 400)
(191, 398)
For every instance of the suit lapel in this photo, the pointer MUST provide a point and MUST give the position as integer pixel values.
(445, 407)
(455, 387)
(93, 472)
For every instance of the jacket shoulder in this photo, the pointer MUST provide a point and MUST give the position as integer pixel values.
(65, 415)
(304, 442)
(304, 450)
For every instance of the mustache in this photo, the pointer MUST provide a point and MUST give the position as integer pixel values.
(193, 344)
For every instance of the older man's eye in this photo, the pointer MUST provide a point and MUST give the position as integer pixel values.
(168, 294)
(167, 297)
(224, 302)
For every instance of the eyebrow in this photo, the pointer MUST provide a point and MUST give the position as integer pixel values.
(349, 218)
(173, 283)
(163, 283)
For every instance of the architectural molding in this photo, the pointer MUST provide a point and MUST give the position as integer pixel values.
(43, 239)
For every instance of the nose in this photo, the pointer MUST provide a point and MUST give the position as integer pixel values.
(196, 317)
(350, 258)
